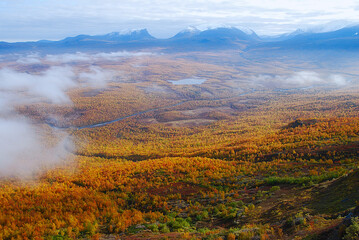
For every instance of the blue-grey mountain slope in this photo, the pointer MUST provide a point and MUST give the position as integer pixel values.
(343, 39)
(193, 39)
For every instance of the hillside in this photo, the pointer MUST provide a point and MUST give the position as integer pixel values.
(231, 152)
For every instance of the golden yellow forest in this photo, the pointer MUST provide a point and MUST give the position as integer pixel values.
(234, 157)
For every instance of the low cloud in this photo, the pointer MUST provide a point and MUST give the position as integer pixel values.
(23, 152)
(84, 57)
(79, 57)
(68, 57)
(96, 76)
(50, 84)
(29, 59)
(24, 149)
(300, 79)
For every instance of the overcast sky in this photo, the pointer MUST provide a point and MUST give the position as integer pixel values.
(22, 20)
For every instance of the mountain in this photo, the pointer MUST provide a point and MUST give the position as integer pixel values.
(282, 37)
(226, 34)
(136, 35)
(216, 34)
(192, 39)
(187, 40)
(187, 33)
(216, 38)
(346, 38)
(111, 41)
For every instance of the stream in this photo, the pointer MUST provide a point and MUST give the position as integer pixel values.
(101, 124)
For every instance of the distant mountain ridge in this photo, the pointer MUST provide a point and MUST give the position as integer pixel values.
(284, 36)
(344, 38)
(216, 34)
(136, 35)
(192, 39)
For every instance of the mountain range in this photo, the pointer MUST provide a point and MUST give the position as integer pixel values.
(193, 39)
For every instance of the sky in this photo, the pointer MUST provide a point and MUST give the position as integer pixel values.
(24, 20)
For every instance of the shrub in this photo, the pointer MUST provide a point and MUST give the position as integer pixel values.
(231, 236)
(352, 232)
(164, 228)
(153, 227)
(274, 189)
(178, 223)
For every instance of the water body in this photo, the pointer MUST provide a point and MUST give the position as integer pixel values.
(188, 81)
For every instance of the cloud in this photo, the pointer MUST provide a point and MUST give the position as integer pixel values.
(330, 26)
(51, 84)
(96, 77)
(67, 58)
(300, 79)
(84, 57)
(53, 19)
(304, 78)
(23, 147)
(23, 153)
(78, 57)
(337, 79)
(29, 59)
(117, 55)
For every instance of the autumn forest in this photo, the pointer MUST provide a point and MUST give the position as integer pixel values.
(186, 145)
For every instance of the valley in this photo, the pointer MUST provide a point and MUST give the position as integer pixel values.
(260, 149)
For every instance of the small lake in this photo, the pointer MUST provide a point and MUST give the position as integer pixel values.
(188, 81)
